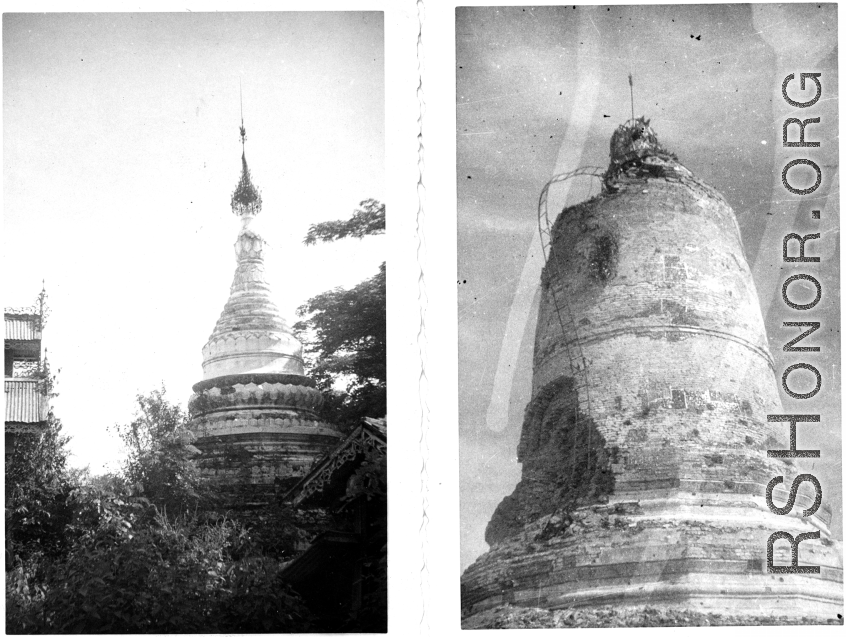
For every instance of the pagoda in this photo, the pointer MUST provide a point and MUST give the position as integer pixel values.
(254, 414)
(644, 446)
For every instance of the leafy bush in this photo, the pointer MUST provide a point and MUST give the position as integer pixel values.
(159, 452)
(137, 571)
(257, 600)
(37, 485)
(137, 552)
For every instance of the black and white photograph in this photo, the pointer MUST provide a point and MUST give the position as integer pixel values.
(593, 249)
(648, 315)
(194, 258)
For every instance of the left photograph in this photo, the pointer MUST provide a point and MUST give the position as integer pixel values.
(195, 307)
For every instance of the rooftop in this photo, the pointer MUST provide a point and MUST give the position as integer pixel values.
(22, 325)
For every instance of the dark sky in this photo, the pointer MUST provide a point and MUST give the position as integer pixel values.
(534, 89)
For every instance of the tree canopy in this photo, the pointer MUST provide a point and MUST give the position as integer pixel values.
(38, 482)
(368, 219)
(124, 554)
(345, 330)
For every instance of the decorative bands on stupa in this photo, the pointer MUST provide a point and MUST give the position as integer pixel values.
(301, 400)
(250, 335)
(265, 427)
(252, 353)
(257, 378)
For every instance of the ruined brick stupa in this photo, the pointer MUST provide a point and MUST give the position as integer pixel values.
(643, 449)
(254, 412)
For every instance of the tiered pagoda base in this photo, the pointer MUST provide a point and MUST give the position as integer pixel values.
(669, 549)
(258, 434)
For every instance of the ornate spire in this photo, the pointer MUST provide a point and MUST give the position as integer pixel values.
(254, 414)
(246, 199)
(250, 335)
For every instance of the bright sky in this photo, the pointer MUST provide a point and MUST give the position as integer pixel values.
(538, 88)
(121, 150)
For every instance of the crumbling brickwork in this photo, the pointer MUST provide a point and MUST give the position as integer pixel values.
(667, 505)
(562, 464)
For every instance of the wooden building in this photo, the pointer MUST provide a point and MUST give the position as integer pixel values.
(343, 574)
(26, 396)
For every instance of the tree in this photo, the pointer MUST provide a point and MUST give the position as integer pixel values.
(137, 556)
(159, 451)
(368, 219)
(38, 480)
(37, 485)
(345, 330)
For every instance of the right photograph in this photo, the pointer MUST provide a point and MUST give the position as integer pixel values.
(649, 315)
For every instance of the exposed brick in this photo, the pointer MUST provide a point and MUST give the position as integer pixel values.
(643, 479)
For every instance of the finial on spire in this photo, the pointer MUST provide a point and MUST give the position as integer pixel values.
(241, 128)
(246, 200)
(631, 97)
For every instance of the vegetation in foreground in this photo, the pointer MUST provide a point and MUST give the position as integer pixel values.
(148, 550)
(142, 551)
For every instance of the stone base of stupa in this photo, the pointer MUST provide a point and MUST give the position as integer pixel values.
(668, 551)
(257, 437)
(626, 617)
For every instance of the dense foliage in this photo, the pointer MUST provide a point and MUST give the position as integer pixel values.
(158, 447)
(345, 330)
(141, 551)
(133, 570)
(38, 484)
(146, 550)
